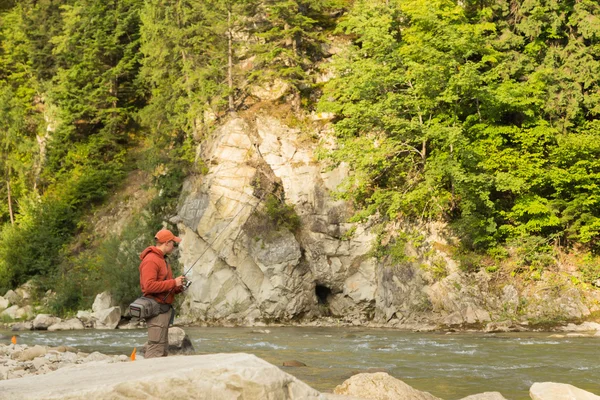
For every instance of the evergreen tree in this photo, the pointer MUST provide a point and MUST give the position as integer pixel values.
(290, 37)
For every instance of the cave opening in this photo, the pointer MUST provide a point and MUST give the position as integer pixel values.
(322, 293)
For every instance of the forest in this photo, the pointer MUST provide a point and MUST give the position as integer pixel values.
(482, 114)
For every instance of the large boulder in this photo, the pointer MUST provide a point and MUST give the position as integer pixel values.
(179, 342)
(4, 303)
(380, 386)
(13, 298)
(17, 312)
(44, 321)
(559, 391)
(102, 302)
(107, 318)
(215, 377)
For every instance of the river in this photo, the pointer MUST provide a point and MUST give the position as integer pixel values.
(450, 366)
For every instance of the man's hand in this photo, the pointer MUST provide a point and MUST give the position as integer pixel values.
(180, 280)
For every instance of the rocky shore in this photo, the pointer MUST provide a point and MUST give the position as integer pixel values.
(64, 373)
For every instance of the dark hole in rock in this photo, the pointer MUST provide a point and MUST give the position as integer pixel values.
(322, 293)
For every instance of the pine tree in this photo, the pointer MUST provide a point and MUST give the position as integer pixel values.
(290, 37)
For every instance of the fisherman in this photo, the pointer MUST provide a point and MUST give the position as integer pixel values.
(156, 281)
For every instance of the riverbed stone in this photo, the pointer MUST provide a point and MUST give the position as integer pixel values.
(22, 326)
(215, 376)
(380, 386)
(485, 396)
(559, 391)
(97, 356)
(179, 342)
(33, 352)
(71, 324)
(43, 321)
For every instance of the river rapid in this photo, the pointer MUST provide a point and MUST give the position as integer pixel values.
(449, 366)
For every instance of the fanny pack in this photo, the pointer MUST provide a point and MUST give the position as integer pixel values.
(144, 308)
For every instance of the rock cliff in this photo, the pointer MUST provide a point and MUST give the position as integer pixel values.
(265, 240)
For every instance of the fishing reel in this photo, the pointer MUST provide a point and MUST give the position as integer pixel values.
(186, 283)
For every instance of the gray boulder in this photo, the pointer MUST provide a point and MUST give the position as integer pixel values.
(380, 386)
(559, 391)
(102, 302)
(43, 321)
(107, 318)
(214, 376)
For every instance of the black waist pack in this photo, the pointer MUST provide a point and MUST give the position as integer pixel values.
(144, 308)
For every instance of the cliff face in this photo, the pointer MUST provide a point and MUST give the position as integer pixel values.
(248, 267)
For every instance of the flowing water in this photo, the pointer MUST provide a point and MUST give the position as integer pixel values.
(450, 366)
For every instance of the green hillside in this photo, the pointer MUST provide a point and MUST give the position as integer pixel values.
(481, 114)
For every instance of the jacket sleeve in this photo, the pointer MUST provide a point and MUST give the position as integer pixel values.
(149, 278)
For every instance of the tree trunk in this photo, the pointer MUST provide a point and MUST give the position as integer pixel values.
(230, 61)
(10, 210)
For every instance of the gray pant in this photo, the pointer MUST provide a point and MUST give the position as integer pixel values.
(158, 335)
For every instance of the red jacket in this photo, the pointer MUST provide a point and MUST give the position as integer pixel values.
(156, 277)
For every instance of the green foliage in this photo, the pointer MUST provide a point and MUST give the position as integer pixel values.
(590, 269)
(466, 114)
(290, 37)
(34, 246)
(282, 215)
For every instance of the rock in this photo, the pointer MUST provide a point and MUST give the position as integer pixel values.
(33, 352)
(293, 363)
(131, 324)
(86, 318)
(13, 298)
(97, 356)
(43, 321)
(13, 312)
(107, 318)
(559, 391)
(270, 91)
(102, 302)
(253, 270)
(179, 342)
(4, 303)
(63, 349)
(215, 376)
(500, 326)
(3, 372)
(485, 396)
(22, 326)
(380, 386)
(39, 362)
(584, 327)
(368, 371)
(71, 324)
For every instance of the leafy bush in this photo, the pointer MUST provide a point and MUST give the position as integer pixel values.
(34, 246)
(282, 215)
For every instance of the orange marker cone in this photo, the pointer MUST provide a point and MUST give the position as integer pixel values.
(133, 354)
(14, 340)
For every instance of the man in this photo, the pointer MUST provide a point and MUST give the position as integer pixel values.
(156, 280)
